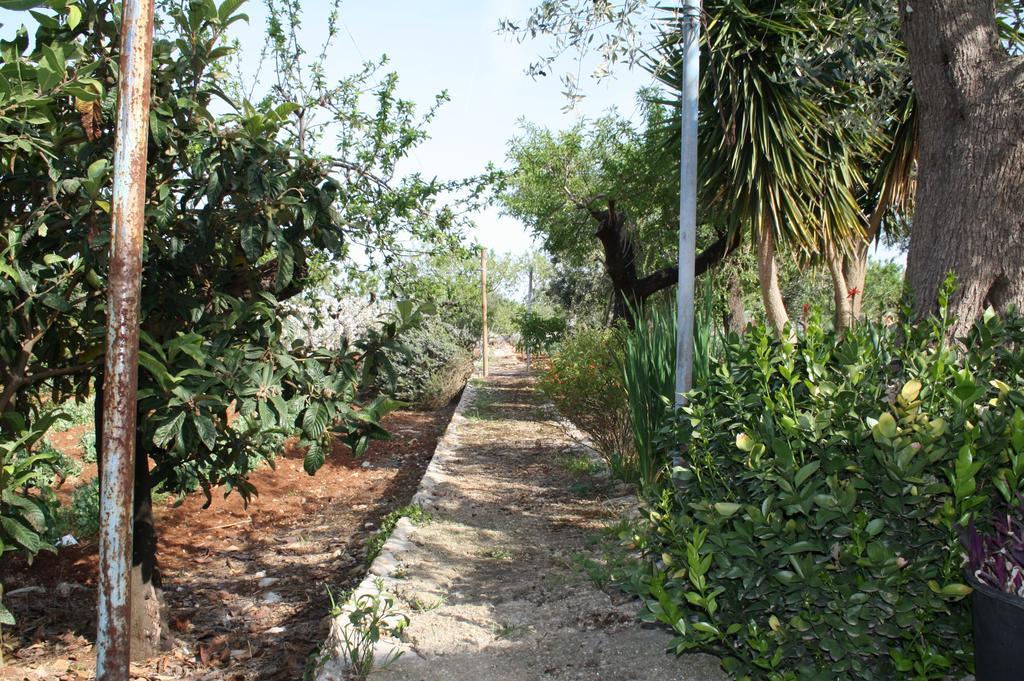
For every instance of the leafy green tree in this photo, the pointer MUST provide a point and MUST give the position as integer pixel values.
(452, 282)
(237, 209)
(583, 292)
(800, 126)
(611, 181)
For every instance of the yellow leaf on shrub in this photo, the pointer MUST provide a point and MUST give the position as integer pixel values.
(950, 590)
(885, 429)
(910, 391)
(1000, 386)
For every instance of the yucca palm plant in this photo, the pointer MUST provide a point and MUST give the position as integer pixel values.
(772, 163)
(887, 199)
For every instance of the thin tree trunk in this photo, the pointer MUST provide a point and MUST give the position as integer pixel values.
(736, 320)
(855, 272)
(968, 218)
(149, 630)
(842, 318)
(768, 277)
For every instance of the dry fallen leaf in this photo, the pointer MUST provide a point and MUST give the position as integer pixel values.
(181, 623)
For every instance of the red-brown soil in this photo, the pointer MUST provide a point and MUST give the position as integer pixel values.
(304, 534)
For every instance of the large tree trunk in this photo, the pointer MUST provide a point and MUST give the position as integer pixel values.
(149, 631)
(848, 271)
(768, 277)
(970, 184)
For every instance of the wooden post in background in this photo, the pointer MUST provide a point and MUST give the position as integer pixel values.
(483, 295)
(529, 310)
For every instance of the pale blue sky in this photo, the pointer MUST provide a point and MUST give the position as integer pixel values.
(454, 45)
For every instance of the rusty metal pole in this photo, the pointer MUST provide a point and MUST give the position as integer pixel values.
(120, 380)
(483, 295)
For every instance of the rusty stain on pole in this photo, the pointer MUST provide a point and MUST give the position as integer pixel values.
(113, 636)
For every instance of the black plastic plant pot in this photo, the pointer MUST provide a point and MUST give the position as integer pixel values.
(998, 634)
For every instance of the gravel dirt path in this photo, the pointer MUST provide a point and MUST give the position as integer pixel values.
(490, 583)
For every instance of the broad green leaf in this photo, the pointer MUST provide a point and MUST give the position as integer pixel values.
(21, 534)
(206, 430)
(21, 5)
(97, 169)
(910, 392)
(885, 429)
(6, 618)
(314, 458)
(727, 509)
(875, 526)
(166, 433)
(805, 472)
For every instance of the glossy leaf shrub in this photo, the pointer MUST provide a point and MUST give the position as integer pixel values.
(812, 532)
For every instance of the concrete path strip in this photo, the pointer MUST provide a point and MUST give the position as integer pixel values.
(489, 584)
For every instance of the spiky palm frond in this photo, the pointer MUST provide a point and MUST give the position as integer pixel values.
(893, 184)
(771, 156)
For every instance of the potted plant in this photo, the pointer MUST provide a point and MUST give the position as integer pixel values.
(995, 570)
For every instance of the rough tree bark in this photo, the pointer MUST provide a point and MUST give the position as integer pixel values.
(736, 319)
(855, 272)
(768, 277)
(968, 216)
(150, 633)
(842, 300)
(620, 256)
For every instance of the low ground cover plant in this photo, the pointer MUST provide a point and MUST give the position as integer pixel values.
(414, 513)
(813, 530)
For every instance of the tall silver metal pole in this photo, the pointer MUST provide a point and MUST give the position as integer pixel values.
(120, 379)
(690, 34)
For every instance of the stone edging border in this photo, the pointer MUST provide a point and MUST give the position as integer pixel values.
(336, 664)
